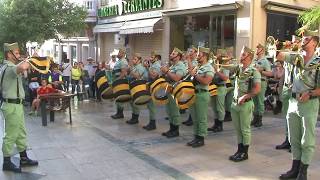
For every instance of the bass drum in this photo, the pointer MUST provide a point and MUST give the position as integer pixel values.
(213, 89)
(184, 94)
(139, 92)
(104, 88)
(121, 90)
(160, 89)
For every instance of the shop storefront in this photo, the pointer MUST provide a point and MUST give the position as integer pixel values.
(215, 30)
(134, 25)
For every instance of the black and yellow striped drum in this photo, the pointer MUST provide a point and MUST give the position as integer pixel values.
(121, 90)
(213, 89)
(184, 94)
(229, 85)
(160, 89)
(103, 85)
(140, 92)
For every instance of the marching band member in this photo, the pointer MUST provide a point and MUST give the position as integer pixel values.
(12, 98)
(120, 71)
(229, 95)
(191, 64)
(218, 106)
(247, 85)
(199, 113)
(154, 72)
(174, 74)
(286, 93)
(264, 67)
(303, 105)
(138, 71)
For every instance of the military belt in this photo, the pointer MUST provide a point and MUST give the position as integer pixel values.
(201, 90)
(236, 100)
(297, 95)
(220, 85)
(14, 101)
(263, 79)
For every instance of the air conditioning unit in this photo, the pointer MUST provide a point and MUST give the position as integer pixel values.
(119, 39)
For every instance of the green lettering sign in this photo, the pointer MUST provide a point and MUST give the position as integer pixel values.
(130, 6)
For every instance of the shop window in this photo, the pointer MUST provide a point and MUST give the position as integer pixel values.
(281, 26)
(73, 53)
(207, 30)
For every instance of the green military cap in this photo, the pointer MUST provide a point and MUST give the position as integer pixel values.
(221, 52)
(307, 32)
(194, 48)
(248, 50)
(178, 50)
(295, 38)
(122, 50)
(203, 49)
(8, 47)
(260, 46)
(154, 53)
(138, 55)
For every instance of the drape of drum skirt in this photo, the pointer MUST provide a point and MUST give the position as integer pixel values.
(173, 111)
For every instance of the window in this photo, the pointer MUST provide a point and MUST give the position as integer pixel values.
(74, 53)
(281, 26)
(209, 30)
(89, 5)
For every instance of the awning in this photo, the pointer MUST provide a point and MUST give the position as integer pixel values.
(283, 8)
(214, 7)
(139, 26)
(112, 27)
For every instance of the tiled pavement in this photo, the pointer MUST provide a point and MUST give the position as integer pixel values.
(97, 147)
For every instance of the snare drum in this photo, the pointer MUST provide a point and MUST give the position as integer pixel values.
(160, 89)
(213, 89)
(139, 92)
(103, 86)
(121, 90)
(184, 94)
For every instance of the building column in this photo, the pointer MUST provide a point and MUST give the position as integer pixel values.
(60, 50)
(79, 52)
(165, 38)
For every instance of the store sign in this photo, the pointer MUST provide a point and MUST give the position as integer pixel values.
(130, 6)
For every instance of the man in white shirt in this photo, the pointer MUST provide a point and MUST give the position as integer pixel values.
(66, 73)
(113, 60)
(91, 68)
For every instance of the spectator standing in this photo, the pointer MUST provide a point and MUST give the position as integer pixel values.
(66, 73)
(75, 77)
(34, 81)
(91, 68)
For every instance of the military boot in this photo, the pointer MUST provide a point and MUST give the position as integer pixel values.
(240, 147)
(9, 166)
(217, 127)
(303, 171)
(227, 116)
(189, 121)
(293, 172)
(192, 141)
(199, 142)
(134, 119)
(284, 145)
(174, 132)
(254, 120)
(26, 161)
(242, 155)
(150, 126)
(170, 129)
(259, 121)
(119, 114)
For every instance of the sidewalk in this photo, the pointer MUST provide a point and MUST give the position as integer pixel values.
(97, 147)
